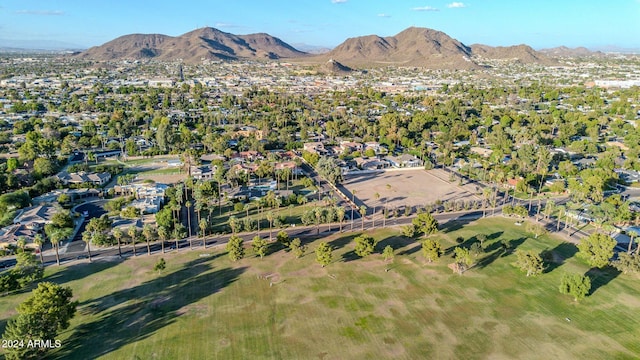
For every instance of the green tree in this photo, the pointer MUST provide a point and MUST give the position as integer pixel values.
(627, 263)
(431, 249)
(575, 285)
(324, 253)
(27, 269)
(283, 238)
(235, 248)
(328, 168)
(463, 259)
(365, 245)
(408, 231)
(387, 253)
(160, 266)
(260, 246)
(530, 262)
(597, 249)
(425, 223)
(41, 316)
(297, 248)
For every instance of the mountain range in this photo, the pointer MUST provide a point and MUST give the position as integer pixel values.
(415, 47)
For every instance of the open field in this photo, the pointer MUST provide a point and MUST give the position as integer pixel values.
(285, 308)
(410, 187)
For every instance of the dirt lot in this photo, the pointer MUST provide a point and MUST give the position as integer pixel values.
(408, 187)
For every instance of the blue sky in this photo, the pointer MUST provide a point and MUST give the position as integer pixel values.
(539, 23)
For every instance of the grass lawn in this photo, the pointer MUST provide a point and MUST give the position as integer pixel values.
(285, 308)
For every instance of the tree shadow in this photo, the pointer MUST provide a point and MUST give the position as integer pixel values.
(556, 257)
(131, 315)
(503, 248)
(3, 325)
(601, 277)
(350, 256)
(457, 223)
(82, 270)
(276, 246)
(342, 241)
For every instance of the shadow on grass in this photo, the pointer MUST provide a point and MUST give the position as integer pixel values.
(131, 315)
(82, 270)
(343, 240)
(3, 325)
(601, 277)
(555, 257)
(458, 223)
(503, 248)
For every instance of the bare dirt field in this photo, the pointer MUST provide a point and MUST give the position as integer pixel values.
(406, 188)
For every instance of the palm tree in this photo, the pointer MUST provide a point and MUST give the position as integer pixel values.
(162, 234)
(318, 212)
(117, 233)
(270, 220)
(384, 211)
(561, 213)
(147, 232)
(133, 234)
(632, 235)
(86, 237)
(39, 241)
(353, 205)
(203, 228)
(340, 214)
(363, 212)
(188, 206)
(373, 217)
(56, 235)
(22, 242)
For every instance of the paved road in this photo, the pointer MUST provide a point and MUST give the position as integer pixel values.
(300, 231)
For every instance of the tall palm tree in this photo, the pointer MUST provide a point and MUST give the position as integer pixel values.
(188, 206)
(162, 234)
(203, 230)
(353, 205)
(87, 236)
(318, 212)
(340, 214)
(384, 211)
(39, 241)
(363, 212)
(117, 233)
(373, 217)
(270, 220)
(147, 232)
(133, 234)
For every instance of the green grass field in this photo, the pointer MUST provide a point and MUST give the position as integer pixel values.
(285, 308)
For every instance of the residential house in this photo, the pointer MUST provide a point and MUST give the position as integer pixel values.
(203, 172)
(10, 235)
(315, 147)
(36, 217)
(404, 161)
(82, 177)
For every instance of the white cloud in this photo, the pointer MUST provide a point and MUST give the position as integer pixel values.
(425, 8)
(456, 5)
(338, 1)
(384, 15)
(40, 12)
